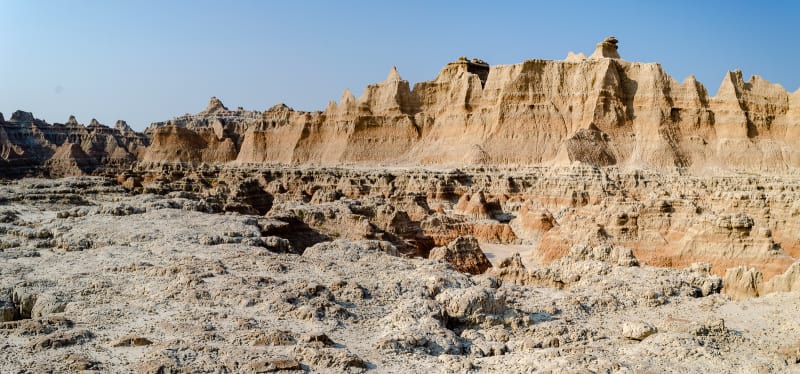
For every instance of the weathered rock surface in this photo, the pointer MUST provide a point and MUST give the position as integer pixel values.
(225, 241)
(637, 330)
(668, 220)
(742, 282)
(464, 254)
(153, 294)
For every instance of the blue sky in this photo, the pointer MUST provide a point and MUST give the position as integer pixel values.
(146, 61)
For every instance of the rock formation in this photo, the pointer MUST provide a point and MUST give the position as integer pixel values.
(592, 151)
(464, 254)
(666, 220)
(600, 110)
(580, 215)
(743, 282)
(606, 49)
(30, 146)
(96, 279)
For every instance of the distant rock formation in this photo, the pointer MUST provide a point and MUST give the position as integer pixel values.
(599, 110)
(30, 146)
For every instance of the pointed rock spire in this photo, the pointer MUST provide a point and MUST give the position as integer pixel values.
(331, 107)
(347, 97)
(122, 126)
(731, 86)
(214, 106)
(393, 75)
(72, 121)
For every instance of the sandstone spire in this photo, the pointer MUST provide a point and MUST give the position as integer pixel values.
(122, 126)
(393, 75)
(347, 102)
(214, 106)
(606, 49)
(72, 121)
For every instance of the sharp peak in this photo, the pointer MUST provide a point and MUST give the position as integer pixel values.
(393, 75)
(347, 94)
(214, 105)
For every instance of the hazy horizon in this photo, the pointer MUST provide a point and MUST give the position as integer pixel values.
(147, 61)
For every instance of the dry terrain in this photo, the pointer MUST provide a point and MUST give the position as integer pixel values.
(590, 214)
(95, 278)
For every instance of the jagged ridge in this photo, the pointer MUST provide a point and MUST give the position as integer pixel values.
(599, 110)
(30, 146)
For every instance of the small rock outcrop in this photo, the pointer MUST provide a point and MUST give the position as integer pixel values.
(637, 330)
(606, 49)
(464, 254)
(744, 282)
(620, 256)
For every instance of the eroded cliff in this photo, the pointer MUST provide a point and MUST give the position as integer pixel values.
(600, 110)
(30, 146)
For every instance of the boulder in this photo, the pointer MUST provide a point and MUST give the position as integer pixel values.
(464, 254)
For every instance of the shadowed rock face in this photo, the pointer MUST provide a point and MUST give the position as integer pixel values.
(30, 146)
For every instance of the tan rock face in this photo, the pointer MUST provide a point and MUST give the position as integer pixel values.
(179, 144)
(599, 110)
(743, 282)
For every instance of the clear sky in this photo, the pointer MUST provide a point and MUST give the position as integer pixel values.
(145, 61)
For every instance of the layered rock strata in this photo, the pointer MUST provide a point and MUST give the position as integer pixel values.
(666, 220)
(600, 110)
(590, 151)
(30, 146)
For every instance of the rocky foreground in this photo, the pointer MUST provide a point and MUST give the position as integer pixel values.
(94, 278)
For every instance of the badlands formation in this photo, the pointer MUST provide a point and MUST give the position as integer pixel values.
(585, 215)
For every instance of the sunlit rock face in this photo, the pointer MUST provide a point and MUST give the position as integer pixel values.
(600, 110)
